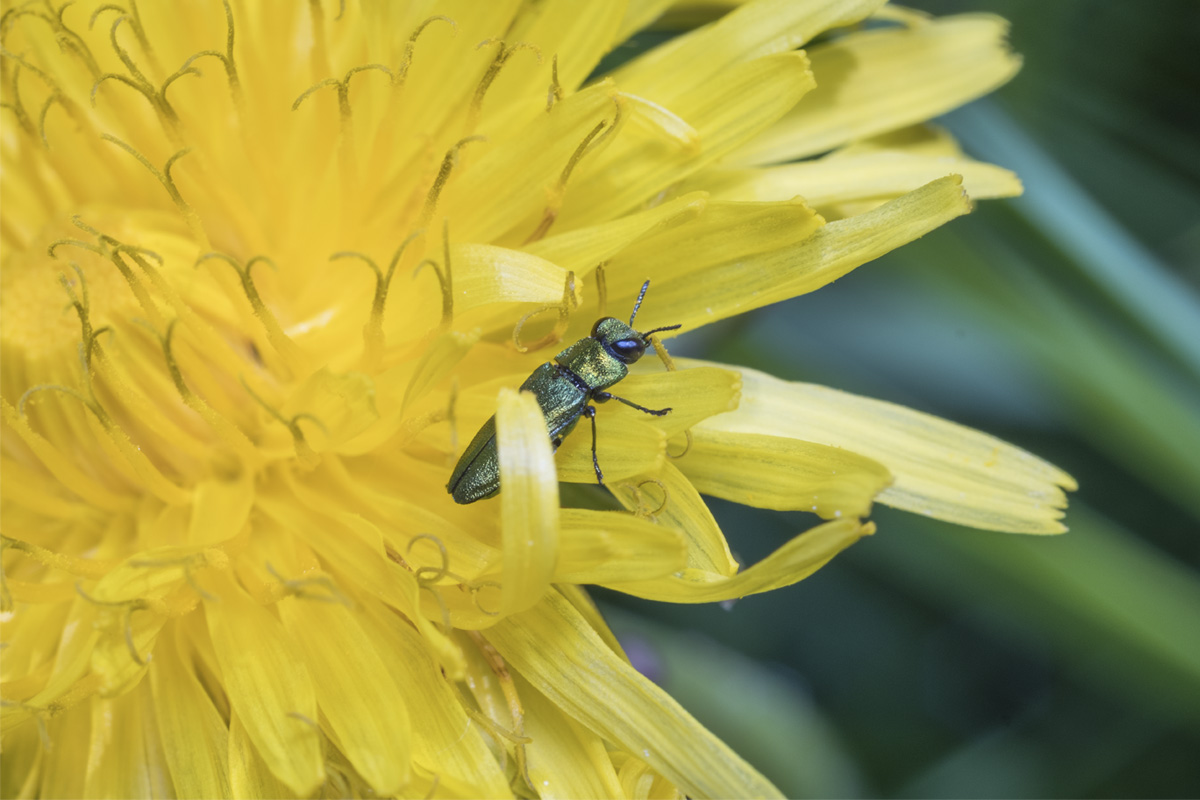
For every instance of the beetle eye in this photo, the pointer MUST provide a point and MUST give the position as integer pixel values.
(629, 350)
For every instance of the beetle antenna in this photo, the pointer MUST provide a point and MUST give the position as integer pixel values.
(638, 304)
(664, 328)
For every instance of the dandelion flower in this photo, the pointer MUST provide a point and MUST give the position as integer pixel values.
(266, 265)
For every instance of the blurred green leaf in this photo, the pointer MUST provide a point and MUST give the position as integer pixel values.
(758, 710)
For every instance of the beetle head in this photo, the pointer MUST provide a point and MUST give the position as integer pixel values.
(621, 341)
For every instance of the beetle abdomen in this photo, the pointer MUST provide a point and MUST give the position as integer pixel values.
(477, 474)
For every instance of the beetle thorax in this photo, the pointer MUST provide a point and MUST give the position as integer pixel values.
(593, 363)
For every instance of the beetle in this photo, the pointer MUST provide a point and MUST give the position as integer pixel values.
(565, 389)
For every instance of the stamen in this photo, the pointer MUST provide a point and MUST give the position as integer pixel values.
(164, 177)
(494, 660)
(66, 38)
(129, 607)
(157, 97)
(411, 45)
(304, 451)
(558, 190)
(82, 307)
(226, 59)
(81, 567)
(445, 277)
(560, 326)
(431, 575)
(282, 343)
(686, 448)
(636, 490)
(55, 387)
(105, 250)
(135, 22)
(475, 588)
(373, 330)
(661, 349)
(189, 564)
(343, 88)
(300, 588)
(602, 289)
(485, 83)
(439, 183)
(51, 100)
(555, 92)
(228, 432)
(62, 467)
(17, 106)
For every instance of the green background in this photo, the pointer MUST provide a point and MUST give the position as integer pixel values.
(936, 661)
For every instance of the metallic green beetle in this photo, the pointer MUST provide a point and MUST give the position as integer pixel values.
(564, 389)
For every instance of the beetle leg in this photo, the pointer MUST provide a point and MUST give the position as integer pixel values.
(590, 413)
(604, 397)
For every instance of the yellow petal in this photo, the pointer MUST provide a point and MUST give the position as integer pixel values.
(795, 561)
(124, 633)
(700, 296)
(220, 509)
(436, 363)
(658, 120)
(69, 731)
(446, 742)
(355, 690)
(578, 34)
(754, 30)
(672, 500)
(249, 775)
(508, 183)
(578, 597)
(554, 648)
(485, 274)
(725, 234)
(441, 81)
(268, 686)
(336, 408)
(68, 473)
(728, 110)
(528, 500)
(581, 249)
(624, 448)
(124, 757)
(878, 80)
(195, 739)
(691, 394)
(358, 549)
(566, 760)
(640, 782)
(67, 683)
(862, 177)
(783, 474)
(600, 546)
(942, 469)
(23, 757)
